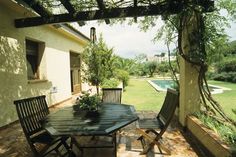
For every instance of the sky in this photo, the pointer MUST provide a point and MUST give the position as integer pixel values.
(129, 41)
(232, 31)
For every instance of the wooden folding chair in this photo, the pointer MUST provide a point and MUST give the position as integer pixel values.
(111, 95)
(147, 127)
(31, 111)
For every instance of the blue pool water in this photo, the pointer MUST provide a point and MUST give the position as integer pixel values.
(164, 84)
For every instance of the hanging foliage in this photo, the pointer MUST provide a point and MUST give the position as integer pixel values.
(206, 39)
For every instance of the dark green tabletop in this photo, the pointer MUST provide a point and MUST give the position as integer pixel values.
(109, 119)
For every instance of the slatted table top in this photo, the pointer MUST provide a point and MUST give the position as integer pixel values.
(110, 118)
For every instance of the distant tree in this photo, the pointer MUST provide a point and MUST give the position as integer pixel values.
(140, 58)
(124, 64)
(231, 49)
(163, 67)
(151, 66)
(163, 54)
(143, 70)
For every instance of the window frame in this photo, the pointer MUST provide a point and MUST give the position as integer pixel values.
(34, 50)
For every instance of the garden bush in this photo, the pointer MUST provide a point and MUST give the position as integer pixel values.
(226, 132)
(210, 75)
(110, 83)
(224, 76)
(229, 65)
(163, 67)
(123, 76)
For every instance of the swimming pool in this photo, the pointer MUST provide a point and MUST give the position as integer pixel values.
(162, 85)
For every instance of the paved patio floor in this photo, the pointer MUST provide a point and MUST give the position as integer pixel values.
(14, 144)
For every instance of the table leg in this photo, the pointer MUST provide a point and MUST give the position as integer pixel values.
(72, 154)
(115, 144)
(74, 142)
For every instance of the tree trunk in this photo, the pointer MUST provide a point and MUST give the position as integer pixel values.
(97, 87)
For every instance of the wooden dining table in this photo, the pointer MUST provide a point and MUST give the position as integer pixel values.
(109, 118)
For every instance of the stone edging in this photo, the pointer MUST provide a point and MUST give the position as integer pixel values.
(208, 138)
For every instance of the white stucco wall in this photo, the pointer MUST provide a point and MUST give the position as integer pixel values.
(54, 67)
(58, 72)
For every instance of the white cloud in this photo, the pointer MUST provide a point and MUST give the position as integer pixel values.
(127, 40)
(232, 31)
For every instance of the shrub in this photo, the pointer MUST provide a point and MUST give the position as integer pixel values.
(87, 102)
(123, 76)
(234, 78)
(210, 75)
(163, 67)
(141, 70)
(227, 133)
(224, 76)
(228, 65)
(111, 83)
(218, 76)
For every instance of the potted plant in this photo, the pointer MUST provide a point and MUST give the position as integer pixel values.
(87, 102)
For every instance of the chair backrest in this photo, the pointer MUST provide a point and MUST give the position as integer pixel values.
(168, 108)
(30, 112)
(111, 95)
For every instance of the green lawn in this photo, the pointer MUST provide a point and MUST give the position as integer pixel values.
(227, 99)
(144, 97)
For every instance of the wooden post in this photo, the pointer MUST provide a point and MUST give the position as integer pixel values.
(189, 90)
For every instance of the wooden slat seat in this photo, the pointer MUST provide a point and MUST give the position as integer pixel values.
(150, 123)
(158, 125)
(31, 112)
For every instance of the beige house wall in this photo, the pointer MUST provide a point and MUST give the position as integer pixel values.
(54, 67)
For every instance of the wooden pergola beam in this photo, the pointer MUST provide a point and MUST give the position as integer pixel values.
(102, 8)
(135, 5)
(81, 23)
(97, 15)
(69, 7)
(37, 7)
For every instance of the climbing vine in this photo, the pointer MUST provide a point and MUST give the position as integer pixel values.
(197, 55)
(209, 35)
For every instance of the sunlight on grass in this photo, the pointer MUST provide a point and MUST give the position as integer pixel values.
(227, 99)
(142, 95)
